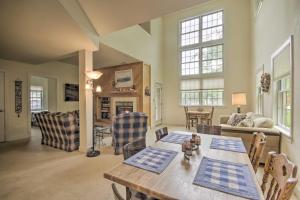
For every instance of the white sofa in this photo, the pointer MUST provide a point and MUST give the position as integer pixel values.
(245, 133)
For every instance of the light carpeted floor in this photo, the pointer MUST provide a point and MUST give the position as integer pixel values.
(31, 171)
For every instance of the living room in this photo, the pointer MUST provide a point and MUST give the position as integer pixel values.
(179, 64)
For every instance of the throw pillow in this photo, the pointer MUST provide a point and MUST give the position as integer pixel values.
(246, 123)
(235, 119)
(263, 122)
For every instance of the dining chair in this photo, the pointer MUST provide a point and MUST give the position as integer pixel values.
(283, 177)
(256, 149)
(129, 150)
(190, 119)
(134, 147)
(117, 195)
(160, 133)
(210, 117)
(210, 130)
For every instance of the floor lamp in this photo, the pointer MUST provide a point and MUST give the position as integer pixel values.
(90, 85)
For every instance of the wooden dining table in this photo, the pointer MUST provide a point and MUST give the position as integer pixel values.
(176, 181)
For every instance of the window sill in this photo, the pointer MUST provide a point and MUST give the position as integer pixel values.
(284, 132)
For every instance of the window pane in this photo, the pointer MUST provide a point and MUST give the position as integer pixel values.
(190, 38)
(190, 62)
(212, 26)
(212, 59)
(214, 33)
(190, 26)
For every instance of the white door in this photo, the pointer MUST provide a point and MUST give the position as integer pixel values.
(1, 106)
(158, 104)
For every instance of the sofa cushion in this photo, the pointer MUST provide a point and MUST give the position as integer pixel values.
(246, 123)
(250, 130)
(235, 119)
(263, 122)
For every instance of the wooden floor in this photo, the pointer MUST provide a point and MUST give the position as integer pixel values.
(31, 171)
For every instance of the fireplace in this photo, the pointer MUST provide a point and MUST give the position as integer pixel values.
(124, 107)
(123, 104)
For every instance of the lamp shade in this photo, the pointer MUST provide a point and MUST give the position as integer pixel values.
(239, 99)
(93, 74)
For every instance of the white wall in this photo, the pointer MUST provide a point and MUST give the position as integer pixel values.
(19, 128)
(236, 60)
(275, 23)
(135, 42)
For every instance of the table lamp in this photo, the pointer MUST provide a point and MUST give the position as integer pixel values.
(239, 99)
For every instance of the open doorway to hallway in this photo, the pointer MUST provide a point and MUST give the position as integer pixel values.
(43, 96)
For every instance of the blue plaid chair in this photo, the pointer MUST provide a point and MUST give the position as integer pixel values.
(59, 130)
(128, 127)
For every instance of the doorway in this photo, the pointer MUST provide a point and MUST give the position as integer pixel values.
(2, 111)
(158, 106)
(42, 96)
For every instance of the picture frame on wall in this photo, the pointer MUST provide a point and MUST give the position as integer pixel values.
(71, 92)
(123, 78)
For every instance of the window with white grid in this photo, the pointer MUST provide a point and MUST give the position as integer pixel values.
(190, 62)
(212, 26)
(36, 98)
(201, 60)
(212, 59)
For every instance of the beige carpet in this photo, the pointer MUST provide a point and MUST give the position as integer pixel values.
(31, 171)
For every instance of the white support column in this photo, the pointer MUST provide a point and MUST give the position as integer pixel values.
(85, 101)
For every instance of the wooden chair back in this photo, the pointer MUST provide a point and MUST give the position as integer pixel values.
(160, 133)
(283, 177)
(186, 109)
(134, 147)
(210, 130)
(117, 195)
(257, 147)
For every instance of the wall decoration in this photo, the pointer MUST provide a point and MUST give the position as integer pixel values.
(258, 6)
(71, 92)
(18, 97)
(123, 78)
(147, 91)
(265, 82)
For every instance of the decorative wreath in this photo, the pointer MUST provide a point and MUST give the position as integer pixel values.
(265, 82)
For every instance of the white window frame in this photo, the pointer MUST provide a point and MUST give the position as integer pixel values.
(286, 132)
(41, 99)
(201, 45)
(259, 95)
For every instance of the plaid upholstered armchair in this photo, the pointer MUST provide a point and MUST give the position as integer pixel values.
(59, 130)
(128, 127)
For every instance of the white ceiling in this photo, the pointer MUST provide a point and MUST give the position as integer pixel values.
(36, 31)
(104, 57)
(112, 15)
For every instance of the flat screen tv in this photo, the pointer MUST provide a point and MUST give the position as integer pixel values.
(71, 92)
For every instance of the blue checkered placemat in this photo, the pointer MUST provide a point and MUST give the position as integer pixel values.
(228, 145)
(152, 159)
(176, 137)
(228, 177)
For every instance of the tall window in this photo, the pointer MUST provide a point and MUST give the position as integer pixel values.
(284, 102)
(36, 98)
(282, 65)
(201, 56)
(259, 93)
